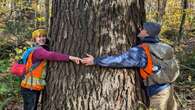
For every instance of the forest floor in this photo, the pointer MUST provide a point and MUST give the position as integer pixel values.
(185, 96)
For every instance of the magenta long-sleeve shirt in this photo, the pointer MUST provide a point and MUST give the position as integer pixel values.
(40, 53)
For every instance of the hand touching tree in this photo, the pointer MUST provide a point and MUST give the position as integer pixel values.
(75, 59)
(89, 60)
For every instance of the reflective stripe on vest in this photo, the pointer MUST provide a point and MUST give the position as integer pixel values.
(147, 71)
(35, 79)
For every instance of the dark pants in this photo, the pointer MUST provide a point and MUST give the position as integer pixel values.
(30, 98)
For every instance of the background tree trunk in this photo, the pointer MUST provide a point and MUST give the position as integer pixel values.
(183, 18)
(34, 7)
(97, 27)
(161, 10)
(47, 8)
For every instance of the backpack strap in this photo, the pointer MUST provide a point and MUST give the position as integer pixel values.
(147, 70)
(34, 66)
(27, 53)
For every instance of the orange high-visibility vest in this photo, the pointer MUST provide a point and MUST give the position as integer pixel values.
(35, 79)
(147, 71)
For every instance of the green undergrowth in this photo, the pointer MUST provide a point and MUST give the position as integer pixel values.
(9, 87)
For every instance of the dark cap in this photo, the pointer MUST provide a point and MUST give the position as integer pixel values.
(153, 29)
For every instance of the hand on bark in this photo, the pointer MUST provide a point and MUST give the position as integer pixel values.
(75, 59)
(89, 60)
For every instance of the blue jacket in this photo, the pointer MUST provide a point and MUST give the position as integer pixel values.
(134, 57)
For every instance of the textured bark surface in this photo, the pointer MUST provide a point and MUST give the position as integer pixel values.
(97, 27)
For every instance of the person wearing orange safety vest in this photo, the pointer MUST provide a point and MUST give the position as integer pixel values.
(35, 60)
(160, 95)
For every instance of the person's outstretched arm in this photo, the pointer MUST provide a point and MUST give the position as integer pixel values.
(41, 53)
(134, 57)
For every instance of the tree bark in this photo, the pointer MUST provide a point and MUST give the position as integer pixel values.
(161, 10)
(47, 5)
(97, 27)
(183, 18)
(34, 7)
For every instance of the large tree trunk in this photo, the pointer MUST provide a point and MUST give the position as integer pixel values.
(97, 27)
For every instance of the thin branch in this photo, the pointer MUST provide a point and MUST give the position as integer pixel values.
(184, 66)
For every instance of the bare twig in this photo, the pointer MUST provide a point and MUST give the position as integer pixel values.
(179, 100)
(184, 66)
